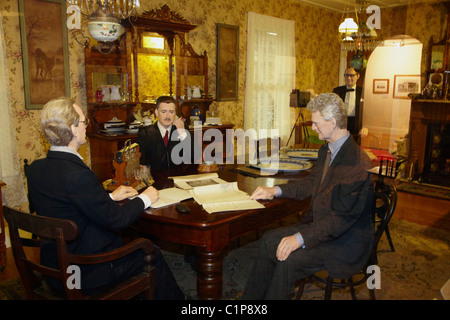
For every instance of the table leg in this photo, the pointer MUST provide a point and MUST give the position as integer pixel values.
(209, 274)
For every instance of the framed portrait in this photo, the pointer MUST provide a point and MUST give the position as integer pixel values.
(45, 54)
(227, 64)
(406, 84)
(380, 86)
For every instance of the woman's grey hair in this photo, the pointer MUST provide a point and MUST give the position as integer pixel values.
(58, 115)
(330, 106)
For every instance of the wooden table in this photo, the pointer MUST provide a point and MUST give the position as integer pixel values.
(211, 233)
(2, 230)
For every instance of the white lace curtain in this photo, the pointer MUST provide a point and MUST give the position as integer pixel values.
(14, 193)
(270, 74)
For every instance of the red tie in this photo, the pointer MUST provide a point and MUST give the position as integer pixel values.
(166, 138)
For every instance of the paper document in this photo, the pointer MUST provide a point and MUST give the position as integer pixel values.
(223, 197)
(197, 180)
(170, 196)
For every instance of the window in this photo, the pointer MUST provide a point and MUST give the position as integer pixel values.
(270, 74)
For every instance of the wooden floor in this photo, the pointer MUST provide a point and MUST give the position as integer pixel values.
(413, 208)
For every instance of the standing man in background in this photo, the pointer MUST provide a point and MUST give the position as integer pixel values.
(351, 94)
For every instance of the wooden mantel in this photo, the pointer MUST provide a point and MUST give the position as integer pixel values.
(423, 113)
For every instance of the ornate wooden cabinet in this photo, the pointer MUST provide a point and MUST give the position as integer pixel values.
(143, 73)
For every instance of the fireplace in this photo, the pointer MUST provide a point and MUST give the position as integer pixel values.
(429, 142)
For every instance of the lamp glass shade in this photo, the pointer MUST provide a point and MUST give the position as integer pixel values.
(105, 31)
(348, 26)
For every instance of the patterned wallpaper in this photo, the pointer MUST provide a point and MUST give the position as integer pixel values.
(317, 51)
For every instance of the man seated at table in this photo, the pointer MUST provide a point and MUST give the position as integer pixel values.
(62, 186)
(336, 232)
(157, 141)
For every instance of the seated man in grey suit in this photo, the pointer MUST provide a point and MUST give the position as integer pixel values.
(336, 232)
(62, 186)
(157, 141)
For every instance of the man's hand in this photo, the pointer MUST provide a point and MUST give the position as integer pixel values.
(286, 246)
(123, 192)
(264, 193)
(179, 124)
(180, 128)
(152, 194)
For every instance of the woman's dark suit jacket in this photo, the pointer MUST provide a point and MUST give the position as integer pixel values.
(62, 186)
(337, 223)
(153, 150)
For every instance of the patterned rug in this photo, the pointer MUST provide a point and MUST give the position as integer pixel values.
(417, 270)
(425, 190)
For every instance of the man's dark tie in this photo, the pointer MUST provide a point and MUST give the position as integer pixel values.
(348, 90)
(166, 138)
(326, 165)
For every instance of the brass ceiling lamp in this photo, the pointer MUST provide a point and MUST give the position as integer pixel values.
(102, 18)
(364, 37)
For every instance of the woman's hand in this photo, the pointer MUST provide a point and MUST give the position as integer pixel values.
(123, 192)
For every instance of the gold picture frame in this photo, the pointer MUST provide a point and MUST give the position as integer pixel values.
(227, 63)
(380, 86)
(44, 50)
(404, 85)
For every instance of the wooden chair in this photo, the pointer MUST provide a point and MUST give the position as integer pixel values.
(382, 207)
(63, 231)
(25, 170)
(389, 169)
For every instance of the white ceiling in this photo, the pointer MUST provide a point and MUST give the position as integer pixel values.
(343, 5)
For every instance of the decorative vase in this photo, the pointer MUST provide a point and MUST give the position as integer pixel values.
(115, 94)
(196, 92)
(196, 112)
(106, 91)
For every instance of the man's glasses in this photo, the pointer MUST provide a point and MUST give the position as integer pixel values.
(86, 122)
(349, 75)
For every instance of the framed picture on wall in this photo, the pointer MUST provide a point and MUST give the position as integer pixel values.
(227, 63)
(44, 51)
(380, 86)
(406, 84)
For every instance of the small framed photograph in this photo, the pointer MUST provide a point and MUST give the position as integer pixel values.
(380, 86)
(406, 84)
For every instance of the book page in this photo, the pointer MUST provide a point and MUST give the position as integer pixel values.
(170, 196)
(197, 180)
(224, 192)
(232, 206)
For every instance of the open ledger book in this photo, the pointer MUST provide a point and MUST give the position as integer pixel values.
(170, 196)
(208, 190)
(223, 197)
(197, 180)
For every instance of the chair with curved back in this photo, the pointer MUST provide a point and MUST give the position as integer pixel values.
(62, 231)
(388, 170)
(382, 207)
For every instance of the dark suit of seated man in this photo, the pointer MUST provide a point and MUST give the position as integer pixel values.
(62, 186)
(157, 141)
(336, 232)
